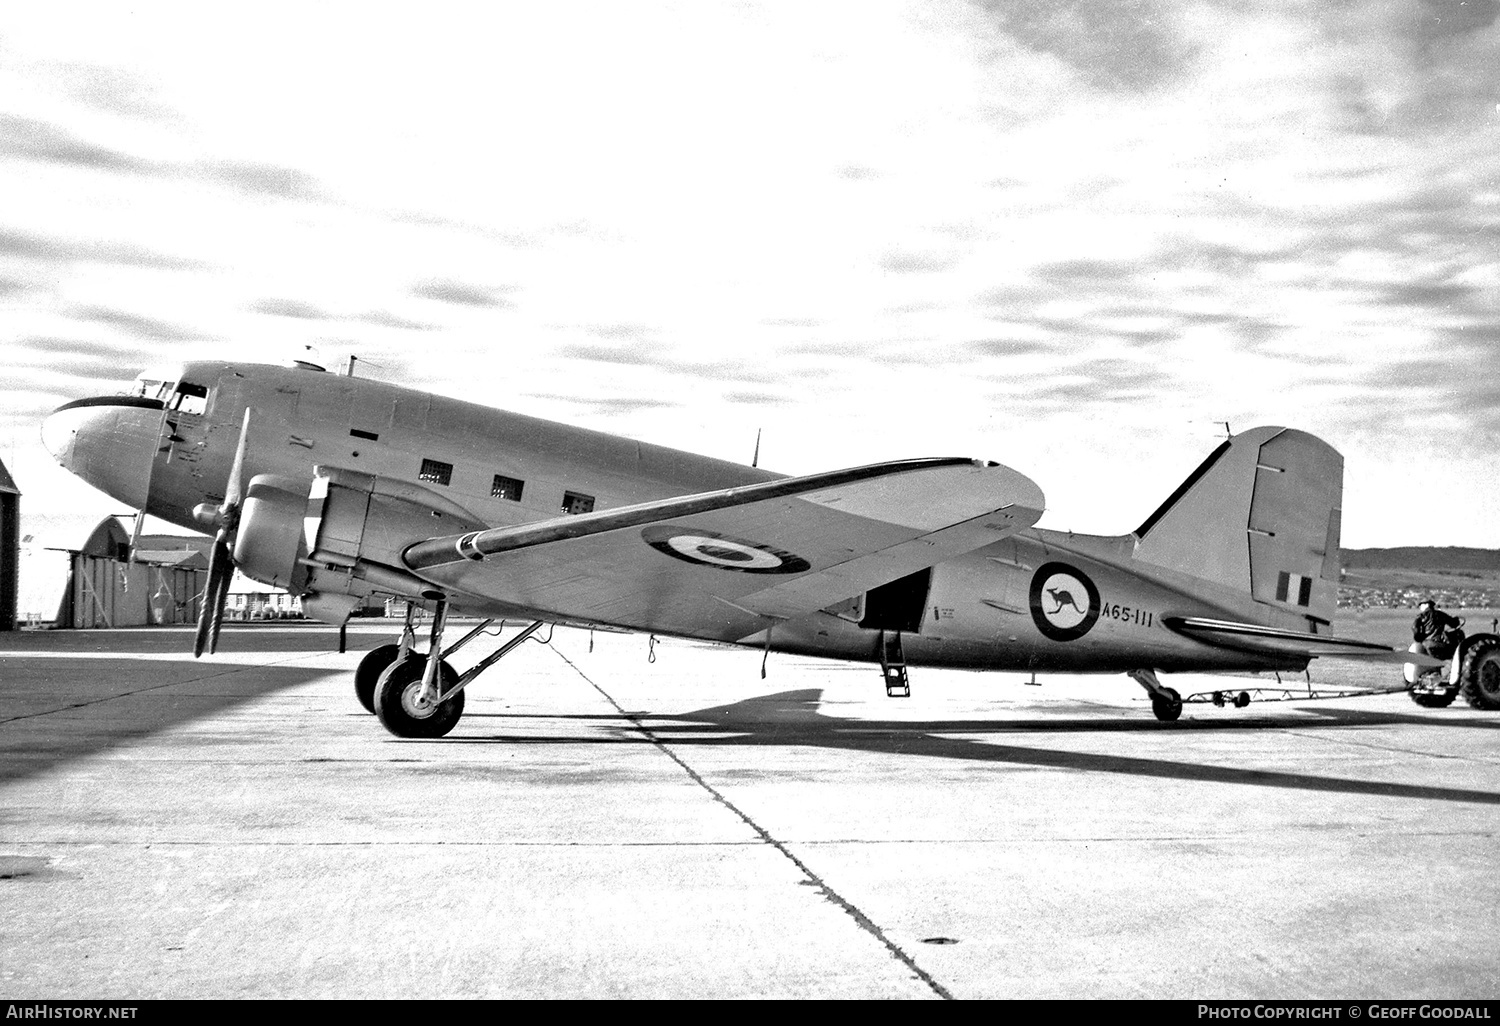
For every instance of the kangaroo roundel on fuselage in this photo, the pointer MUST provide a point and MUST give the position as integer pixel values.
(1064, 602)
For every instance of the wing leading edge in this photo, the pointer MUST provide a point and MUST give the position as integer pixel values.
(727, 564)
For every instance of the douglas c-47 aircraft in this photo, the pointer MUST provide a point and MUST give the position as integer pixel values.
(337, 488)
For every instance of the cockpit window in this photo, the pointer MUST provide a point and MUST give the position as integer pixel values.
(150, 389)
(190, 398)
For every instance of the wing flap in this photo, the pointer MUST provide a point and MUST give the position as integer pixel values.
(725, 564)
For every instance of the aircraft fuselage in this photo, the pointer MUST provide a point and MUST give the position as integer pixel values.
(1038, 600)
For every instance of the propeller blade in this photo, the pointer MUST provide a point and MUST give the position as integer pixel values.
(222, 598)
(234, 491)
(215, 594)
(221, 557)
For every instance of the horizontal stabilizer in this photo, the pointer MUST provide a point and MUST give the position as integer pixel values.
(1252, 637)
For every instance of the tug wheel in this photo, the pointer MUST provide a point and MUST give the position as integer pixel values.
(1167, 706)
(402, 714)
(367, 674)
(1480, 674)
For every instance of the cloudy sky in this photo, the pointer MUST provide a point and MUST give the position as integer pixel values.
(1071, 237)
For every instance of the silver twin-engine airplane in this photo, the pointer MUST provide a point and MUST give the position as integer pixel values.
(338, 488)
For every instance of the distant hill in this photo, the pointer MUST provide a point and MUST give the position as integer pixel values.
(1422, 557)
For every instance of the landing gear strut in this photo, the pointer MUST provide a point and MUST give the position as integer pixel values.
(378, 660)
(423, 696)
(1165, 702)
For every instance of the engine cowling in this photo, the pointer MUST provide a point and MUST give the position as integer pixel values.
(337, 539)
(269, 546)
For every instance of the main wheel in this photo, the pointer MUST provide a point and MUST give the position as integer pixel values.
(1479, 676)
(367, 674)
(398, 709)
(1167, 707)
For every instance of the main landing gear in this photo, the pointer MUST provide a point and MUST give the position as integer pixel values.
(422, 696)
(1165, 702)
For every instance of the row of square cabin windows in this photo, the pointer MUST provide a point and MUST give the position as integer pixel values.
(440, 473)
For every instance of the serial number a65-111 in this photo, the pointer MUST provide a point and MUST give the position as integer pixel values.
(1127, 614)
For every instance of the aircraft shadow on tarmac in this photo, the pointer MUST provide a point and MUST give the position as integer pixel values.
(59, 709)
(793, 718)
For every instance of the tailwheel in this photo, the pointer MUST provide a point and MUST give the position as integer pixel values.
(402, 711)
(1166, 703)
(367, 674)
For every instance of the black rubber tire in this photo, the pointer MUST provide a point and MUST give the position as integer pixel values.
(1169, 708)
(1479, 676)
(401, 681)
(367, 673)
(1433, 701)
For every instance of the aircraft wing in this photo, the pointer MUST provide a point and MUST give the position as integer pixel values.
(728, 564)
(1279, 641)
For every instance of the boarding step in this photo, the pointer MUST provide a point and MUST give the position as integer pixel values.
(893, 665)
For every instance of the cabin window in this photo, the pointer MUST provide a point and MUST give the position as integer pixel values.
(507, 488)
(370, 436)
(190, 398)
(436, 472)
(576, 502)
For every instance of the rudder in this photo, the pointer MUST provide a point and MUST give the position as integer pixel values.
(1261, 514)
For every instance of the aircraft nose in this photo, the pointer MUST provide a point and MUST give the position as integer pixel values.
(110, 443)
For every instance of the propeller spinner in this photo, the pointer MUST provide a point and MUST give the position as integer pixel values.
(221, 559)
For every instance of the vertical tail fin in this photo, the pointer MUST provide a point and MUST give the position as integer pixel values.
(1262, 515)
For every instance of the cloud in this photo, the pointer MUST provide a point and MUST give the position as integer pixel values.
(1086, 272)
(459, 294)
(632, 332)
(634, 356)
(913, 262)
(755, 398)
(132, 324)
(762, 371)
(1443, 19)
(111, 90)
(290, 308)
(630, 404)
(29, 139)
(262, 179)
(610, 405)
(386, 319)
(1126, 45)
(1431, 295)
(59, 250)
(1004, 347)
(64, 358)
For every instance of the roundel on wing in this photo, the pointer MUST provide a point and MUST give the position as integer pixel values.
(1064, 602)
(709, 548)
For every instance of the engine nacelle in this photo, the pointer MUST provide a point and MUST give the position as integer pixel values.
(339, 538)
(268, 545)
(357, 525)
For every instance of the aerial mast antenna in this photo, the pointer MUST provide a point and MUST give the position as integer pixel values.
(755, 460)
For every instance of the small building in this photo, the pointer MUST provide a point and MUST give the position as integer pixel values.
(78, 579)
(10, 548)
(251, 600)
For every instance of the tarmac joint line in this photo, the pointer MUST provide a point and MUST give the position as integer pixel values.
(812, 878)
